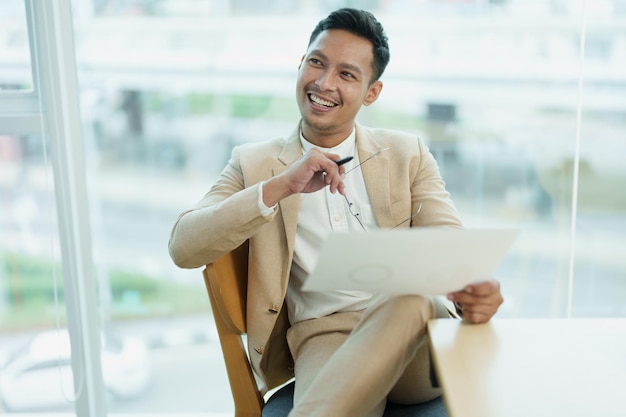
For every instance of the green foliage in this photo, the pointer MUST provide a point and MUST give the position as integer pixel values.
(237, 106)
(29, 293)
(251, 107)
(124, 281)
(31, 280)
(201, 103)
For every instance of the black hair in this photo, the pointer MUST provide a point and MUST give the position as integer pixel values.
(361, 23)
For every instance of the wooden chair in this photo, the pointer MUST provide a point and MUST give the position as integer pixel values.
(226, 281)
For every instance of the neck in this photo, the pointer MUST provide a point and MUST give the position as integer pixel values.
(325, 139)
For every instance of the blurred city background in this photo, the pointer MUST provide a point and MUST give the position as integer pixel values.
(168, 87)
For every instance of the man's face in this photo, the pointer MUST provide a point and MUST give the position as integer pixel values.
(334, 80)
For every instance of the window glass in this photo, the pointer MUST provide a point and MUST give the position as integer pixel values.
(34, 371)
(15, 60)
(491, 85)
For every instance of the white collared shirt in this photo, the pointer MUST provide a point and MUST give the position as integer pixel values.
(322, 213)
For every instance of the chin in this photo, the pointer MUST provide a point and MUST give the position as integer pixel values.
(318, 126)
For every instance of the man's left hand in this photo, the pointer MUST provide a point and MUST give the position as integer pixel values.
(478, 302)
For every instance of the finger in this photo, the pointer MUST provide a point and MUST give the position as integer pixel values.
(336, 184)
(476, 317)
(487, 306)
(320, 161)
(333, 174)
(480, 308)
(341, 189)
(477, 287)
(327, 166)
(478, 313)
(473, 299)
(483, 288)
(329, 159)
(333, 157)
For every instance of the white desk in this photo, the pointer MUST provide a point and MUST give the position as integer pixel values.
(531, 367)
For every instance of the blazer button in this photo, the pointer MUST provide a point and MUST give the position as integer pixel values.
(273, 308)
(259, 350)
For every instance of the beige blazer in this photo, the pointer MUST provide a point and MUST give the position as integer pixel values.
(397, 181)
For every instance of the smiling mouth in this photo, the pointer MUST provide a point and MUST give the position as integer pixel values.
(321, 102)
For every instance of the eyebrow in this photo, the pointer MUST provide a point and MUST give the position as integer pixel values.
(343, 65)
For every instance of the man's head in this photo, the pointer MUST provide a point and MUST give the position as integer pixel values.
(361, 23)
(339, 73)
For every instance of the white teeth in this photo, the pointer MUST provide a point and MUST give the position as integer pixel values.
(320, 101)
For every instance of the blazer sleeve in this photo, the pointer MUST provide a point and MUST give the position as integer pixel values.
(429, 189)
(221, 221)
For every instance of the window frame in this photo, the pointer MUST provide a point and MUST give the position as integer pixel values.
(19, 110)
(52, 110)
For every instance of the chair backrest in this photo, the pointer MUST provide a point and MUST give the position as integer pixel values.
(226, 281)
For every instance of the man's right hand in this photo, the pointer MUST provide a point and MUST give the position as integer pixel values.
(314, 171)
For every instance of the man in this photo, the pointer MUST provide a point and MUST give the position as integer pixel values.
(349, 351)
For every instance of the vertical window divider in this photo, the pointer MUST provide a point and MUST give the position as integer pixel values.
(50, 25)
(576, 167)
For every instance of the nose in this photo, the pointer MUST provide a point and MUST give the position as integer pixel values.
(326, 81)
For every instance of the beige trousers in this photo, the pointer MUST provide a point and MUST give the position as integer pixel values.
(349, 364)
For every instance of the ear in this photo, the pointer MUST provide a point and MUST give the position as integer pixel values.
(373, 92)
(301, 61)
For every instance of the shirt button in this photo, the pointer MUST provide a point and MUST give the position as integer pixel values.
(259, 350)
(337, 218)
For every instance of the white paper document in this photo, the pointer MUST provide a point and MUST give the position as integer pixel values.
(426, 261)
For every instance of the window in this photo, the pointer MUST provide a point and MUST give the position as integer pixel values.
(15, 60)
(45, 248)
(165, 89)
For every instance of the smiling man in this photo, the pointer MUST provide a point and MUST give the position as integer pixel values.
(350, 351)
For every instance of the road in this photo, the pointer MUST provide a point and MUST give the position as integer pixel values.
(188, 368)
(187, 365)
(187, 379)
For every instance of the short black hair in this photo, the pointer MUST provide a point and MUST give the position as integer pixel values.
(361, 23)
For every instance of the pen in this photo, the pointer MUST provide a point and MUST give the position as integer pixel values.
(342, 161)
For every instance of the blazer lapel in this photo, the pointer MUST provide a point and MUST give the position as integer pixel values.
(376, 175)
(290, 206)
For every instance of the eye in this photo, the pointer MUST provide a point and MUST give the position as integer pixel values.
(349, 75)
(315, 61)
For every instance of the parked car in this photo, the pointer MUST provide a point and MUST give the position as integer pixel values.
(39, 375)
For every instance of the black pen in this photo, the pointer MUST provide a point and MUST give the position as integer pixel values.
(342, 161)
